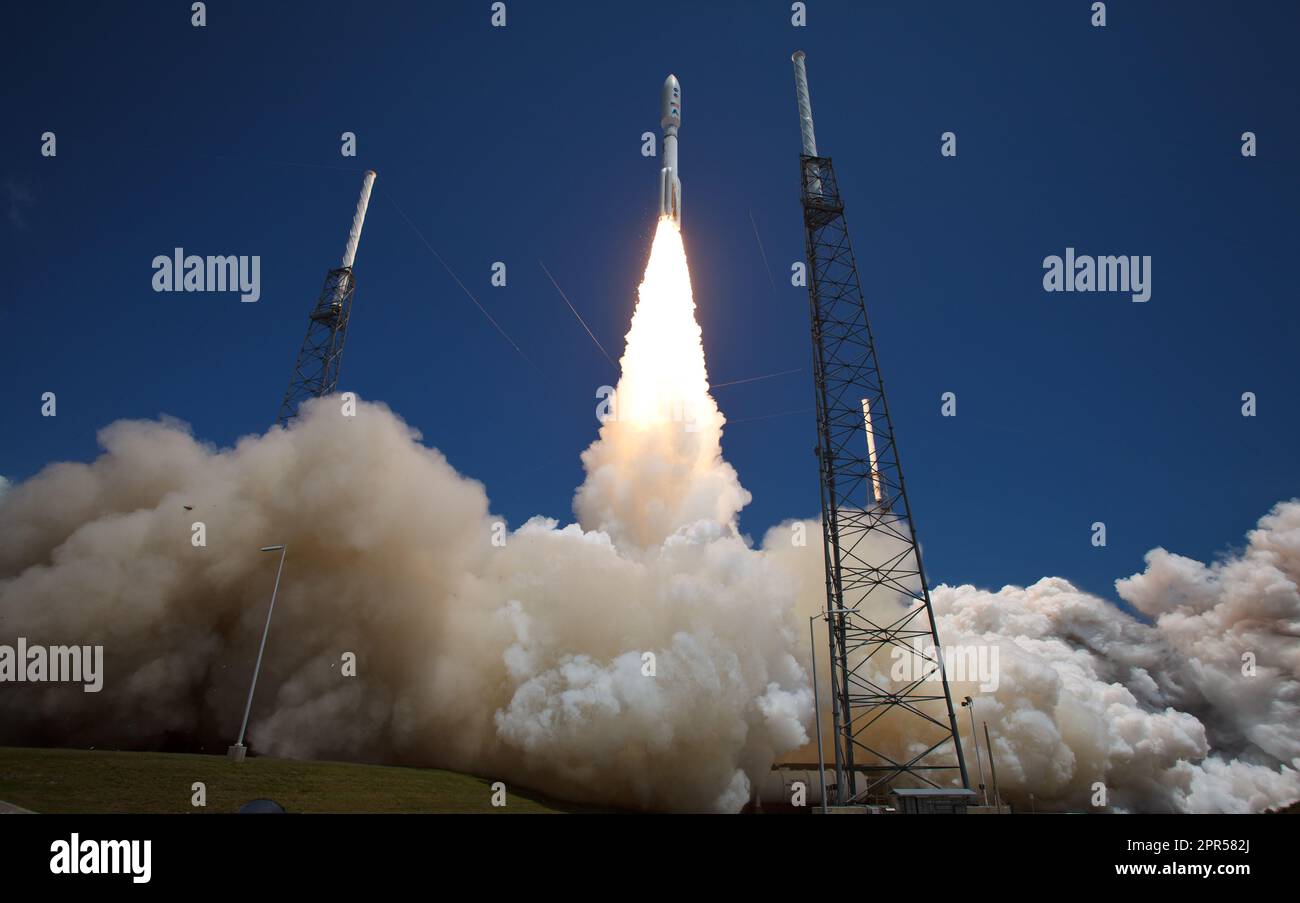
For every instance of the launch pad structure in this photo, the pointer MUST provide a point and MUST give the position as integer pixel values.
(316, 370)
(877, 597)
(889, 733)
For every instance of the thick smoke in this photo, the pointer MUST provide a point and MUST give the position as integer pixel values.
(524, 661)
(649, 661)
(1197, 711)
(647, 656)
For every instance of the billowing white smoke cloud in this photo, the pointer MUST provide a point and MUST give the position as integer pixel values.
(1162, 713)
(523, 661)
(649, 661)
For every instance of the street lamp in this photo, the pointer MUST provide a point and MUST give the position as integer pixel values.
(817, 710)
(841, 779)
(236, 752)
(993, 770)
(969, 705)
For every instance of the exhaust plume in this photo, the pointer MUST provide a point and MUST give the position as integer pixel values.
(657, 465)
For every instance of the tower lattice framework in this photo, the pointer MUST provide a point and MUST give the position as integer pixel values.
(316, 371)
(887, 731)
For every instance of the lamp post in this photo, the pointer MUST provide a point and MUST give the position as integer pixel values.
(993, 769)
(817, 710)
(969, 705)
(840, 783)
(236, 752)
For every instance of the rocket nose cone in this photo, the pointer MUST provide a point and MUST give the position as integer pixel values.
(671, 107)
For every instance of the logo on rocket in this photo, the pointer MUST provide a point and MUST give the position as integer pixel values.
(670, 183)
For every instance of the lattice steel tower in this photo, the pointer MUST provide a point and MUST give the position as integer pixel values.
(316, 372)
(894, 723)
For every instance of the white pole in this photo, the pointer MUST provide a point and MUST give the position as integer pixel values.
(237, 751)
(988, 744)
(805, 105)
(358, 219)
(805, 119)
(817, 710)
(970, 705)
(871, 452)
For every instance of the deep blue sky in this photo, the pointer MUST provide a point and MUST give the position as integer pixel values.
(523, 143)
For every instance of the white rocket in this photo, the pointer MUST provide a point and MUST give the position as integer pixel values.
(670, 183)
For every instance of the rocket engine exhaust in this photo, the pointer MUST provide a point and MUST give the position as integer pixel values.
(670, 120)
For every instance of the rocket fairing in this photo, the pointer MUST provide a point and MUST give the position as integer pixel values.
(670, 183)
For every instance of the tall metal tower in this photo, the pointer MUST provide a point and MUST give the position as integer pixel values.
(893, 726)
(316, 372)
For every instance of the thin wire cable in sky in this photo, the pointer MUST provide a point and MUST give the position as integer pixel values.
(754, 379)
(770, 416)
(762, 251)
(576, 314)
(505, 335)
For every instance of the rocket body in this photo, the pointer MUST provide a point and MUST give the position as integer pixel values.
(670, 183)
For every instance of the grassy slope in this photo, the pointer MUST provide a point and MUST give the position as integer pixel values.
(81, 781)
